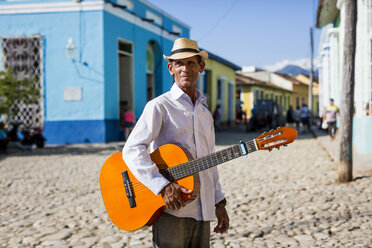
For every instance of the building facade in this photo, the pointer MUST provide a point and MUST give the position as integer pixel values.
(217, 82)
(331, 17)
(250, 90)
(91, 59)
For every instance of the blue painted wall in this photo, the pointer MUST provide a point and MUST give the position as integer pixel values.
(362, 135)
(94, 69)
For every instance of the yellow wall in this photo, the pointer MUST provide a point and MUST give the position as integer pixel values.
(218, 69)
(246, 106)
(302, 92)
(299, 92)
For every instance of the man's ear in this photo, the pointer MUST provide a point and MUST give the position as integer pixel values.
(170, 69)
(202, 66)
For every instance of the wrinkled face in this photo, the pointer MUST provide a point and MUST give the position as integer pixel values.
(185, 71)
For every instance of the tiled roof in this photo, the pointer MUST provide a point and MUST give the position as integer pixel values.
(246, 80)
(222, 60)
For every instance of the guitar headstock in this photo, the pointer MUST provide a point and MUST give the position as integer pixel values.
(276, 138)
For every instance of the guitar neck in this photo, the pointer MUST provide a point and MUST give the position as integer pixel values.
(208, 161)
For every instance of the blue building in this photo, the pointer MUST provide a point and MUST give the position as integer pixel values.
(90, 59)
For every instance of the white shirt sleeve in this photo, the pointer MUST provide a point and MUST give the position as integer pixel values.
(135, 153)
(219, 196)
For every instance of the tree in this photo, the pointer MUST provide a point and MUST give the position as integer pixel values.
(14, 89)
(345, 168)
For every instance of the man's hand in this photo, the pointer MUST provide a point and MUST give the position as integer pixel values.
(223, 219)
(172, 196)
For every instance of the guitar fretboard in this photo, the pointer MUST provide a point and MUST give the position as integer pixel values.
(208, 161)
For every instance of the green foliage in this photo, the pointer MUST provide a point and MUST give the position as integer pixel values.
(13, 89)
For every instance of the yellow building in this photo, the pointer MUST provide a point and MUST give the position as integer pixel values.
(217, 82)
(306, 80)
(300, 92)
(249, 90)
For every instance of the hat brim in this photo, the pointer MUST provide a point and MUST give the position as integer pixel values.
(203, 54)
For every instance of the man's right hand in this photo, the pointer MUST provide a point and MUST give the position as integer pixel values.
(172, 196)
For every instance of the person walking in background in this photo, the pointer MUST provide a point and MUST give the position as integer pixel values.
(128, 123)
(290, 119)
(179, 116)
(217, 117)
(305, 118)
(127, 119)
(3, 137)
(330, 115)
(296, 117)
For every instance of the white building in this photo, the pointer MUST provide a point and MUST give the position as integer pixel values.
(331, 17)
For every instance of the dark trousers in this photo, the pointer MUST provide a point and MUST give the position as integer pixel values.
(174, 232)
(332, 128)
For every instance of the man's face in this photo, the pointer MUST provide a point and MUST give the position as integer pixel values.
(331, 102)
(185, 71)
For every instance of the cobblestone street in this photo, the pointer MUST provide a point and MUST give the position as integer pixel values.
(286, 198)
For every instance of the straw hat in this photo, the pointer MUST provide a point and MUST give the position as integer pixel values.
(185, 48)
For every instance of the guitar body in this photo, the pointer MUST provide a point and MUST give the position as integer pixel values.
(148, 206)
(131, 205)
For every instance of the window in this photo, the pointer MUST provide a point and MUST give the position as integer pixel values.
(256, 97)
(24, 56)
(125, 47)
(261, 95)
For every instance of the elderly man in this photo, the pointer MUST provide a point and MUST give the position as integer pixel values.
(179, 116)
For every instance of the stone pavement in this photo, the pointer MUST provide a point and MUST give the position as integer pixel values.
(286, 198)
(362, 163)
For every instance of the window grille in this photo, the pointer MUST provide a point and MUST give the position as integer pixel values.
(23, 55)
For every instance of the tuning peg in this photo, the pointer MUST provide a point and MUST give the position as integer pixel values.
(270, 149)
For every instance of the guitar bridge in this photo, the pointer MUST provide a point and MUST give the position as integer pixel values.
(128, 189)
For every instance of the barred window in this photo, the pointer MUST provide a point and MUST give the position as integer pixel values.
(23, 56)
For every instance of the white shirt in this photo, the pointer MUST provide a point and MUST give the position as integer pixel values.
(173, 119)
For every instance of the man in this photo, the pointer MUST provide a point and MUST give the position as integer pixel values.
(330, 115)
(179, 116)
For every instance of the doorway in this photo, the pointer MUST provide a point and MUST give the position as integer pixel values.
(125, 56)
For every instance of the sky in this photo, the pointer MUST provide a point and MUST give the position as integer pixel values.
(249, 32)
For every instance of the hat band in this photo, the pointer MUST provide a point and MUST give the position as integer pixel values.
(182, 50)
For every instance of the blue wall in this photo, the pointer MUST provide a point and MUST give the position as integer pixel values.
(362, 135)
(94, 118)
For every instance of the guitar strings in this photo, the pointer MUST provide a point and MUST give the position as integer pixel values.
(220, 157)
(202, 163)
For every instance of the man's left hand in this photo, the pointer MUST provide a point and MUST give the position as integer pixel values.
(223, 219)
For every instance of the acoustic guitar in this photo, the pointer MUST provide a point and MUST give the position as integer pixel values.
(131, 205)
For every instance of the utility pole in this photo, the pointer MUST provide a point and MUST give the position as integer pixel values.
(310, 93)
(345, 168)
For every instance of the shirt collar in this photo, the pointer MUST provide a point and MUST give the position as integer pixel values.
(176, 93)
